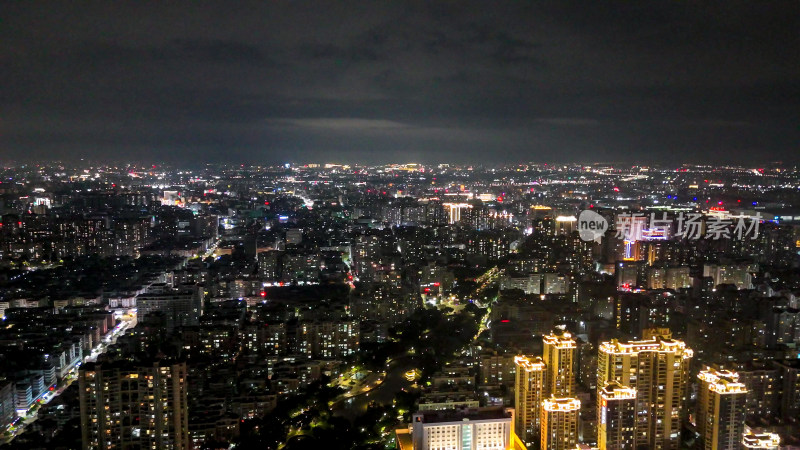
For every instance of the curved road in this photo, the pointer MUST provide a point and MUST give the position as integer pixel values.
(384, 394)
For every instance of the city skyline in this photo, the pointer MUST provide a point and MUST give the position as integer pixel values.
(403, 225)
(417, 306)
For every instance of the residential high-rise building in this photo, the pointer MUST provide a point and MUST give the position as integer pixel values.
(454, 211)
(677, 278)
(495, 368)
(790, 387)
(559, 428)
(269, 267)
(720, 409)
(559, 356)
(530, 284)
(267, 339)
(7, 405)
(134, 405)
(736, 275)
(763, 382)
(616, 417)
(529, 394)
(366, 254)
(181, 307)
(327, 339)
(656, 277)
(658, 369)
(554, 283)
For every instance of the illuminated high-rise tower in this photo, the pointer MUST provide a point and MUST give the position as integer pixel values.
(658, 369)
(529, 395)
(559, 429)
(616, 417)
(721, 409)
(559, 354)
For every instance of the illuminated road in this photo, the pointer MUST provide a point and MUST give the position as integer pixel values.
(364, 385)
(383, 394)
(484, 282)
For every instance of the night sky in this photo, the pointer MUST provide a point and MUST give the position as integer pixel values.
(372, 82)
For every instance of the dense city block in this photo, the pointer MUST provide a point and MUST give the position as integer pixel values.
(401, 306)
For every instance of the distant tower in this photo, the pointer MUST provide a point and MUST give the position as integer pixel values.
(529, 395)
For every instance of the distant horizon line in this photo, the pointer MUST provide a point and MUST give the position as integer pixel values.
(329, 164)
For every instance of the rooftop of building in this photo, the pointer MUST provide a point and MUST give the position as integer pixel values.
(404, 441)
(124, 364)
(455, 415)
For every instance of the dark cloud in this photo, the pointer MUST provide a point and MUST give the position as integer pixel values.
(396, 81)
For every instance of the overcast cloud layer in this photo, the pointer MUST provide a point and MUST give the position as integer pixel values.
(302, 81)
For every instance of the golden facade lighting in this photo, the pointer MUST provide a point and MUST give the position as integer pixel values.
(658, 370)
(559, 356)
(720, 408)
(561, 404)
(529, 392)
(559, 428)
(769, 441)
